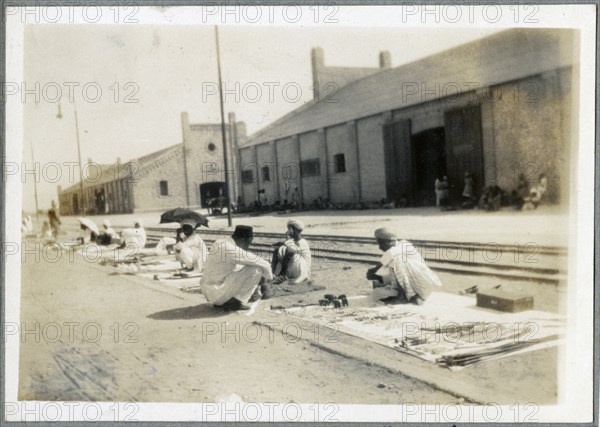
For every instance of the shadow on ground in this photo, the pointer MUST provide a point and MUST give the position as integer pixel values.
(202, 311)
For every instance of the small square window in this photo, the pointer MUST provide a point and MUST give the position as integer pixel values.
(339, 162)
(164, 188)
(247, 176)
(266, 173)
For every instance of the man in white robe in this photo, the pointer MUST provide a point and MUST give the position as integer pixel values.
(190, 249)
(402, 270)
(232, 274)
(292, 260)
(134, 238)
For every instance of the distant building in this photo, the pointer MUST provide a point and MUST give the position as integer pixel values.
(191, 173)
(495, 107)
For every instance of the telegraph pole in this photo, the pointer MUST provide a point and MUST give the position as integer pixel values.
(223, 137)
(37, 209)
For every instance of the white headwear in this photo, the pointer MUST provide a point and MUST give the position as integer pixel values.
(385, 234)
(106, 223)
(297, 224)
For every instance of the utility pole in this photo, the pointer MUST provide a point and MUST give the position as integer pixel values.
(223, 137)
(59, 116)
(37, 209)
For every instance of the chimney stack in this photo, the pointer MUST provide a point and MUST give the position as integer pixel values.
(317, 56)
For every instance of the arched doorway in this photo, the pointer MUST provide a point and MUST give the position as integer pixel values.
(213, 195)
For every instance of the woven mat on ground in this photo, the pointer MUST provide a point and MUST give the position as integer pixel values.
(281, 290)
(448, 329)
(179, 279)
(286, 288)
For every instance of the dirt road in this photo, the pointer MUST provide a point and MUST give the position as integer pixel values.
(101, 337)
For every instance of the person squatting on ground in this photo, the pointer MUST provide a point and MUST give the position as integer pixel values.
(232, 274)
(190, 249)
(291, 259)
(403, 270)
(87, 234)
(134, 238)
(109, 235)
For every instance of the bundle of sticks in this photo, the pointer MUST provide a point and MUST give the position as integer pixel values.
(465, 359)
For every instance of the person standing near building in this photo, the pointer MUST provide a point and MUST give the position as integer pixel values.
(468, 192)
(232, 274)
(54, 220)
(439, 194)
(292, 260)
(444, 193)
(190, 249)
(404, 270)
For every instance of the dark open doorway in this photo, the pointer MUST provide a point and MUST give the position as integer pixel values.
(213, 195)
(429, 148)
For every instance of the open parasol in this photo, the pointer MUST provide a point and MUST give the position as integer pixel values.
(180, 214)
(90, 224)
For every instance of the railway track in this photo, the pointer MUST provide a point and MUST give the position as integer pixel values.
(542, 264)
(493, 260)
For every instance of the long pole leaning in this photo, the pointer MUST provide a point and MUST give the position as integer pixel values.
(223, 136)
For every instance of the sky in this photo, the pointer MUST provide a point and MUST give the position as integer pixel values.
(130, 83)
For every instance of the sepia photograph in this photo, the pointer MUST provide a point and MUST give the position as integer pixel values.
(311, 213)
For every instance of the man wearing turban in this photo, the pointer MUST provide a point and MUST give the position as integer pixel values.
(403, 270)
(134, 238)
(190, 249)
(291, 259)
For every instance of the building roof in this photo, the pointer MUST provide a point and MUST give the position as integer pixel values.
(505, 56)
(152, 157)
(103, 173)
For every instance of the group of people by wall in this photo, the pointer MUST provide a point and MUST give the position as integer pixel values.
(492, 197)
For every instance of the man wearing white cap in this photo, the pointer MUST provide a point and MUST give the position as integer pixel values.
(190, 249)
(134, 238)
(292, 260)
(404, 271)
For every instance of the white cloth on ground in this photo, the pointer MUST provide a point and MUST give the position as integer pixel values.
(406, 269)
(231, 272)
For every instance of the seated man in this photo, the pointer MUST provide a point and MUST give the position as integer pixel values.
(87, 235)
(407, 274)
(291, 260)
(109, 235)
(190, 249)
(134, 238)
(231, 273)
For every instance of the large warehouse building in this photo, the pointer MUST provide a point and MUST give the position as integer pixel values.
(496, 107)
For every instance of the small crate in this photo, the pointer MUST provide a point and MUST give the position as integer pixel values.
(510, 302)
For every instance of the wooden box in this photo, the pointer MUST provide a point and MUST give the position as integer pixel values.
(497, 299)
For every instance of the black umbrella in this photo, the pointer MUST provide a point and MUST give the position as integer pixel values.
(180, 214)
